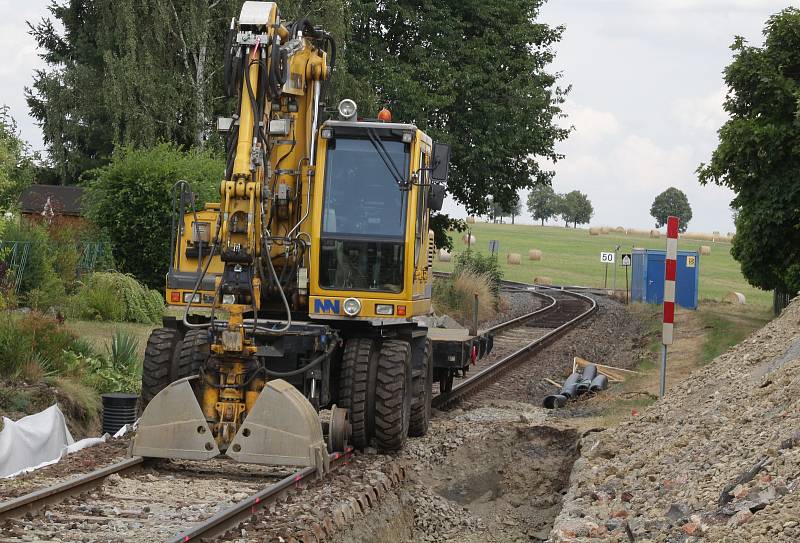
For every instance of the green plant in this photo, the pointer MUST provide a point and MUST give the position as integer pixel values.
(480, 264)
(131, 201)
(124, 351)
(113, 296)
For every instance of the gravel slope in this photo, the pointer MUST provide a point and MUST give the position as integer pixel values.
(717, 460)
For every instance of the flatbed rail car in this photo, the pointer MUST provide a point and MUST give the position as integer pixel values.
(454, 351)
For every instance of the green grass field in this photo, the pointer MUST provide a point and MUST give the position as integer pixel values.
(572, 257)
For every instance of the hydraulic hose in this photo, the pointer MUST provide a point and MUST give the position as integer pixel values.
(314, 363)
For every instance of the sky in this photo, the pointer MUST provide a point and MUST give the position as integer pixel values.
(646, 98)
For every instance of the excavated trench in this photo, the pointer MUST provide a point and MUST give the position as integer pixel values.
(504, 484)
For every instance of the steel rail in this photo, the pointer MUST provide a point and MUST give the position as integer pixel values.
(36, 500)
(506, 363)
(233, 516)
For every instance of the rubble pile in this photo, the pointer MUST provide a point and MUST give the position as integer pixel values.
(718, 459)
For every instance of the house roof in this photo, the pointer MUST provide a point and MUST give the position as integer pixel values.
(63, 200)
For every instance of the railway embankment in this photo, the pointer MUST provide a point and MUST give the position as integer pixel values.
(718, 459)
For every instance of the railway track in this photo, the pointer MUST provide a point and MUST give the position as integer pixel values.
(109, 504)
(516, 339)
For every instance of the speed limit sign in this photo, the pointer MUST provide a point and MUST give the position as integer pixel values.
(607, 258)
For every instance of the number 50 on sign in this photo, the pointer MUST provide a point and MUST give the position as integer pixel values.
(607, 258)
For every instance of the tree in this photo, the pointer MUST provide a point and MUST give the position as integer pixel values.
(758, 157)
(131, 200)
(514, 209)
(543, 203)
(671, 202)
(576, 208)
(461, 71)
(17, 163)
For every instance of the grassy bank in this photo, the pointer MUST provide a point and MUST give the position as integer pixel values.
(572, 257)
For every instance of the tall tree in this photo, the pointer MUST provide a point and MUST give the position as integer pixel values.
(543, 203)
(17, 162)
(671, 202)
(126, 72)
(465, 72)
(576, 208)
(758, 155)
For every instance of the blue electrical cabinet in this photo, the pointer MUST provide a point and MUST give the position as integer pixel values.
(647, 283)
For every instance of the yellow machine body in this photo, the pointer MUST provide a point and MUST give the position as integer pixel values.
(321, 235)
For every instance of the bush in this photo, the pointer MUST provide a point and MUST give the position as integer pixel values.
(455, 296)
(34, 340)
(482, 265)
(131, 201)
(113, 296)
(34, 348)
(39, 268)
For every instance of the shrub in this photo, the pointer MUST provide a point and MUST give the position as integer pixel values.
(131, 201)
(113, 296)
(39, 266)
(483, 265)
(37, 340)
(456, 294)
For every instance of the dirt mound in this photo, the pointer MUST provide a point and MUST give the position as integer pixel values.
(718, 458)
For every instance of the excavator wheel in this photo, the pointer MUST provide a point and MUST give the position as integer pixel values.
(353, 382)
(392, 394)
(162, 349)
(423, 385)
(193, 354)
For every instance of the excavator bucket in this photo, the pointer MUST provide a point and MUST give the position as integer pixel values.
(281, 429)
(173, 426)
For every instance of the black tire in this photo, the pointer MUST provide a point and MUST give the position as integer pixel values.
(193, 354)
(421, 408)
(392, 394)
(159, 356)
(353, 382)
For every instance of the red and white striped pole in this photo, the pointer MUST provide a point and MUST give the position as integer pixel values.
(670, 270)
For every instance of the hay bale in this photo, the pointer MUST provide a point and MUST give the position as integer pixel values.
(514, 259)
(655, 234)
(705, 250)
(468, 239)
(619, 230)
(594, 231)
(698, 236)
(734, 298)
(534, 254)
(541, 280)
(444, 255)
(471, 219)
(637, 232)
(605, 230)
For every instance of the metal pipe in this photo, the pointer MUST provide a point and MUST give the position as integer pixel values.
(599, 383)
(313, 159)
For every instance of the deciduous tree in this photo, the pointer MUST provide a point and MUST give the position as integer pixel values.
(543, 203)
(576, 208)
(758, 155)
(671, 202)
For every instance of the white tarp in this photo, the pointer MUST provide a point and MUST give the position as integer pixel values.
(36, 441)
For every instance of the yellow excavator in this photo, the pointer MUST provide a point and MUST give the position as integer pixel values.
(304, 292)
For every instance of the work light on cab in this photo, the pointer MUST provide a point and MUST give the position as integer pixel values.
(347, 110)
(352, 306)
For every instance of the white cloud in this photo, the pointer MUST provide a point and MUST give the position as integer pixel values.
(591, 125)
(704, 112)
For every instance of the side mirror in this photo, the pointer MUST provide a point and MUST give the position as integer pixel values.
(436, 197)
(441, 163)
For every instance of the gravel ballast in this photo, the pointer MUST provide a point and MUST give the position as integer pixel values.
(718, 459)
